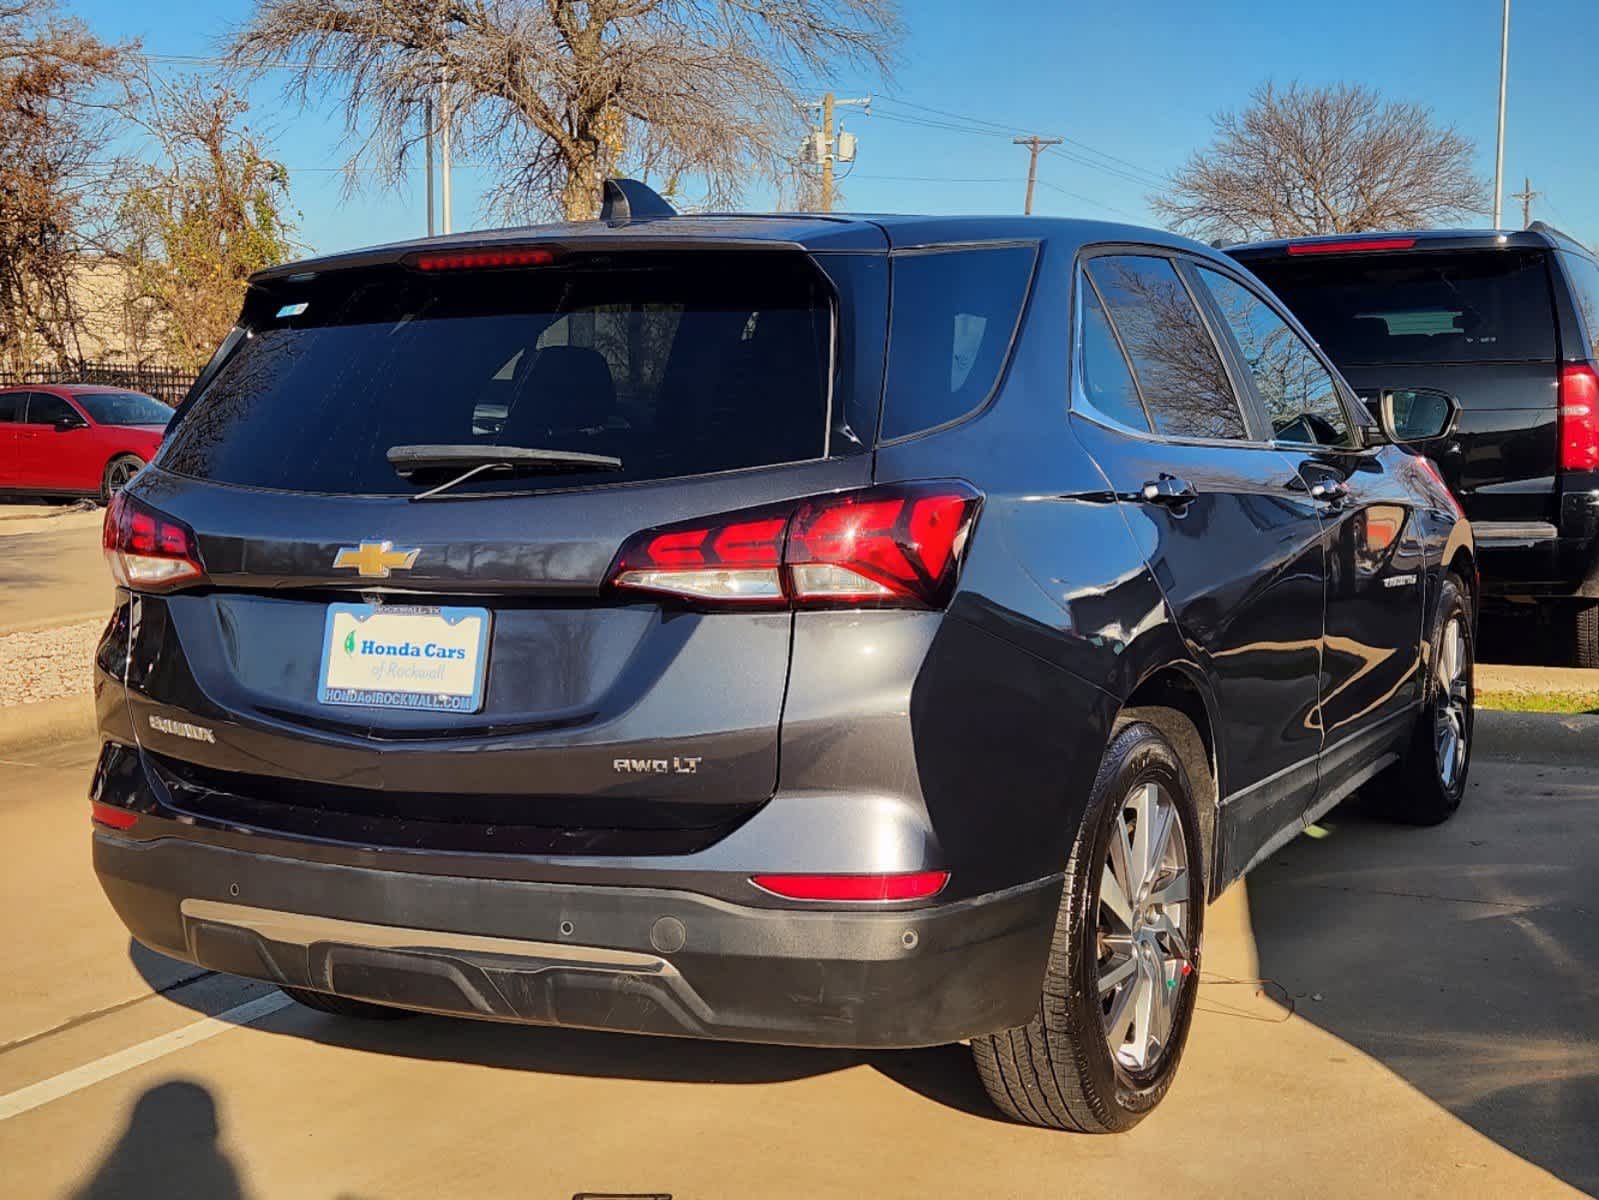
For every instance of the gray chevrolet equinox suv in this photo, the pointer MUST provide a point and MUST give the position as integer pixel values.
(839, 631)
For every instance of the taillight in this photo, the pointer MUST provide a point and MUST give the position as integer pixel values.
(111, 816)
(147, 549)
(915, 885)
(1579, 418)
(898, 546)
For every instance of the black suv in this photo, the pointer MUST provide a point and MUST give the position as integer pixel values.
(842, 631)
(1508, 323)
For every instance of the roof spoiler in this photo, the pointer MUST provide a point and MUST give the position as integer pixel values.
(629, 200)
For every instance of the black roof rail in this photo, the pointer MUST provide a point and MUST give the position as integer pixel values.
(628, 200)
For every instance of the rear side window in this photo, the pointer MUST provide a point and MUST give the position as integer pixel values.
(1180, 373)
(124, 408)
(1442, 306)
(1584, 273)
(1107, 381)
(954, 317)
(677, 364)
(1300, 397)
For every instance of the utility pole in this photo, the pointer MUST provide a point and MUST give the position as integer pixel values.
(1499, 152)
(1035, 146)
(823, 148)
(1526, 195)
(443, 154)
(427, 116)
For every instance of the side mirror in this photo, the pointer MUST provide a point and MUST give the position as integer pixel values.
(70, 422)
(1417, 414)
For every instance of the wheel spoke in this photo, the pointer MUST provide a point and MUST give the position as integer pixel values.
(1164, 1004)
(1119, 1021)
(1143, 1013)
(1116, 972)
(1113, 897)
(1163, 817)
(1143, 802)
(1174, 936)
(1174, 890)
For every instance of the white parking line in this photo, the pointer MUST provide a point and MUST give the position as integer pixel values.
(14, 1104)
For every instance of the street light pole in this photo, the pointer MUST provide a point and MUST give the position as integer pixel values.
(1499, 152)
(427, 116)
(445, 190)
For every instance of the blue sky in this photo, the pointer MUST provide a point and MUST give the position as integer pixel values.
(1133, 84)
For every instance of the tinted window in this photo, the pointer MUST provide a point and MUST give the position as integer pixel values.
(45, 409)
(1461, 306)
(1300, 397)
(676, 364)
(1107, 381)
(1584, 274)
(124, 408)
(11, 406)
(1179, 370)
(955, 313)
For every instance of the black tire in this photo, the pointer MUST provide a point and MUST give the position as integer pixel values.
(1414, 790)
(343, 1006)
(1585, 635)
(1058, 1071)
(117, 473)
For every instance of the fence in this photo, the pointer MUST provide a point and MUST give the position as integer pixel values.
(166, 383)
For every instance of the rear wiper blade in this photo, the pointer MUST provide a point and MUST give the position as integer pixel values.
(415, 462)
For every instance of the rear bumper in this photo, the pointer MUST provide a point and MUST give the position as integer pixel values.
(631, 959)
(1542, 560)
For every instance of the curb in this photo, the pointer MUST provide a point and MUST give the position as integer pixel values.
(1555, 739)
(23, 727)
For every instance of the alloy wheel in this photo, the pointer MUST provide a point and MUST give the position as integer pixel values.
(1452, 710)
(1144, 959)
(121, 474)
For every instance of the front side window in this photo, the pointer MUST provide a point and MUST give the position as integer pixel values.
(45, 409)
(1299, 395)
(11, 406)
(1179, 370)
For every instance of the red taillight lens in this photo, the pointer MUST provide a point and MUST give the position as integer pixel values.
(918, 885)
(110, 816)
(481, 260)
(1352, 246)
(146, 549)
(895, 546)
(1579, 417)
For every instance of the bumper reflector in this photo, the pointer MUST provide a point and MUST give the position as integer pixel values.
(111, 816)
(913, 886)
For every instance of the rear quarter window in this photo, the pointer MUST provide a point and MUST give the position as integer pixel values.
(1584, 276)
(1436, 306)
(954, 317)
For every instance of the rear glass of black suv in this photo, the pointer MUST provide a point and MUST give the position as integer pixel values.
(610, 368)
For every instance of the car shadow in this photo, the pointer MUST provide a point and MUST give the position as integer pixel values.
(944, 1074)
(1464, 958)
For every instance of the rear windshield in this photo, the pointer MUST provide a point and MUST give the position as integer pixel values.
(676, 364)
(1443, 306)
(123, 408)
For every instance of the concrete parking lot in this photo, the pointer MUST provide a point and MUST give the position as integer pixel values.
(1427, 1028)
(1383, 1011)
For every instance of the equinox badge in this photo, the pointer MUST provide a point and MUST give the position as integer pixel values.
(375, 560)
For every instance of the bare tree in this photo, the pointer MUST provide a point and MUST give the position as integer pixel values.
(198, 222)
(54, 134)
(1338, 159)
(552, 95)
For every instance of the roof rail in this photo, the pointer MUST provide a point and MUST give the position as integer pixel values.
(628, 200)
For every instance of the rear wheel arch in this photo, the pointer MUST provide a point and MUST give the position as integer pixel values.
(1175, 703)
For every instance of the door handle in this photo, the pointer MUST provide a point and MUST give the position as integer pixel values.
(1333, 491)
(1169, 491)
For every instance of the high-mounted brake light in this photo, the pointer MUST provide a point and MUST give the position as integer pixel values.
(479, 260)
(917, 885)
(146, 549)
(1351, 246)
(897, 546)
(1579, 417)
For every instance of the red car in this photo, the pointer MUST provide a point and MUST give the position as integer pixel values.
(75, 439)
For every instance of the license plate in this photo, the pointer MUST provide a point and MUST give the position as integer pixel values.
(401, 656)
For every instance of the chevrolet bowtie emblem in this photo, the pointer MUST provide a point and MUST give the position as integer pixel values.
(375, 560)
